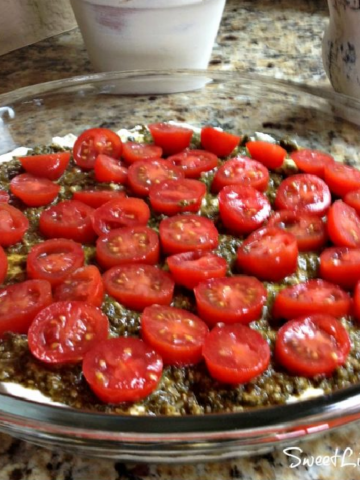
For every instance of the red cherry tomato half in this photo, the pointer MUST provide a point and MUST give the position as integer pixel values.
(64, 331)
(313, 345)
(13, 225)
(96, 198)
(269, 154)
(190, 268)
(139, 286)
(237, 299)
(311, 161)
(145, 173)
(243, 209)
(21, 302)
(194, 162)
(54, 260)
(341, 265)
(128, 245)
(357, 302)
(185, 233)
(235, 353)
(218, 142)
(269, 253)
(353, 200)
(176, 196)
(122, 370)
(83, 285)
(122, 212)
(241, 171)
(342, 179)
(309, 230)
(343, 225)
(4, 196)
(34, 191)
(50, 165)
(133, 152)
(108, 169)
(68, 219)
(175, 334)
(93, 142)
(3, 265)
(311, 297)
(303, 193)
(171, 138)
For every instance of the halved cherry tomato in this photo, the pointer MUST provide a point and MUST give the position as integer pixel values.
(218, 142)
(235, 353)
(3, 265)
(309, 230)
(128, 245)
(134, 151)
(343, 225)
(190, 268)
(269, 154)
(243, 209)
(50, 165)
(122, 212)
(145, 173)
(13, 225)
(108, 169)
(241, 171)
(357, 302)
(269, 253)
(54, 260)
(4, 196)
(176, 196)
(139, 286)
(194, 162)
(303, 193)
(353, 200)
(65, 331)
(94, 141)
(96, 198)
(342, 179)
(122, 370)
(185, 233)
(340, 265)
(83, 285)
(171, 138)
(21, 302)
(34, 191)
(313, 345)
(308, 298)
(237, 299)
(68, 219)
(311, 161)
(175, 334)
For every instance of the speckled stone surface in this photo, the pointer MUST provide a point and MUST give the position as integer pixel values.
(280, 39)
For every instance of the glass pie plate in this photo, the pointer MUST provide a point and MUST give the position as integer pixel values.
(235, 102)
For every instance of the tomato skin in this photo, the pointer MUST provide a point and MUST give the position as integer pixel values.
(356, 306)
(312, 345)
(176, 196)
(186, 233)
(29, 297)
(13, 225)
(353, 200)
(50, 165)
(269, 154)
(171, 138)
(269, 253)
(340, 265)
(343, 225)
(218, 142)
(34, 191)
(312, 161)
(243, 209)
(54, 260)
(237, 299)
(68, 219)
(128, 245)
(241, 171)
(93, 142)
(63, 332)
(134, 151)
(4, 196)
(342, 179)
(194, 162)
(311, 297)
(83, 285)
(122, 370)
(235, 353)
(138, 286)
(190, 268)
(96, 198)
(3, 265)
(175, 334)
(108, 169)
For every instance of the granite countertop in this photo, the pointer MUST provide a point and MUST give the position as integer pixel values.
(281, 39)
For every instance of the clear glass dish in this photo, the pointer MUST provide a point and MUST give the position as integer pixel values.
(236, 102)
